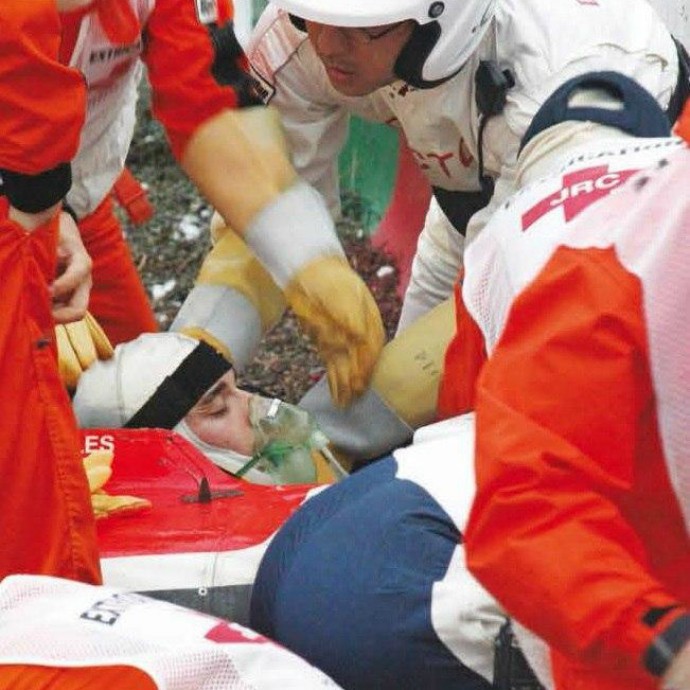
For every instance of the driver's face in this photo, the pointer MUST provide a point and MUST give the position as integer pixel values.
(359, 60)
(221, 417)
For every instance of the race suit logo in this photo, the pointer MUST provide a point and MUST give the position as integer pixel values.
(207, 11)
(580, 190)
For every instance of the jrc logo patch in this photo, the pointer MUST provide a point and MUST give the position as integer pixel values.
(207, 11)
(580, 190)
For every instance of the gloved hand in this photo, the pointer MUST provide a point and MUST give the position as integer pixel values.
(402, 394)
(234, 300)
(98, 470)
(80, 344)
(295, 239)
(336, 309)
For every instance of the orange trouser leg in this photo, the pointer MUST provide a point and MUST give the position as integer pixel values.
(22, 677)
(118, 299)
(47, 520)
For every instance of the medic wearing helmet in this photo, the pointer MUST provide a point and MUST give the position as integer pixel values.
(234, 155)
(462, 81)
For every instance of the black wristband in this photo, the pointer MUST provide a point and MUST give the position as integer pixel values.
(666, 645)
(36, 193)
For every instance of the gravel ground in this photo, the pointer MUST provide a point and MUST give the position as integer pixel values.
(168, 251)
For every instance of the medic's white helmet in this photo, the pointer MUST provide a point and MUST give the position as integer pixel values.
(448, 31)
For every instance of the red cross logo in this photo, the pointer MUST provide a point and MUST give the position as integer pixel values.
(580, 190)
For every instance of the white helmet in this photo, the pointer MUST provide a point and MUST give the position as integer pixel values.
(448, 31)
(152, 381)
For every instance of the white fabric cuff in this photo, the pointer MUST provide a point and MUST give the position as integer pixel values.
(292, 231)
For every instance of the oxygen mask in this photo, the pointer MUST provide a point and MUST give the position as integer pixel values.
(285, 437)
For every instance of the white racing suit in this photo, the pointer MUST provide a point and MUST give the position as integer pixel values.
(534, 39)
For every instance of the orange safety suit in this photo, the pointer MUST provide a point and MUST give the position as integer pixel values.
(47, 517)
(48, 523)
(580, 524)
(178, 50)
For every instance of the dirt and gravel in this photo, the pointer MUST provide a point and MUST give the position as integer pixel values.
(168, 251)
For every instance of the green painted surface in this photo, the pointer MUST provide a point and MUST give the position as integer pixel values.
(368, 165)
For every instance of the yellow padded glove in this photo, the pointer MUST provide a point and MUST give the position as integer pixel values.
(408, 372)
(97, 466)
(401, 396)
(234, 300)
(80, 344)
(337, 310)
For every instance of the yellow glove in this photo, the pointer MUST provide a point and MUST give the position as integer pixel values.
(402, 394)
(337, 310)
(80, 344)
(97, 466)
(234, 300)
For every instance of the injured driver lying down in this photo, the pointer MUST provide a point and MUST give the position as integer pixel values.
(172, 381)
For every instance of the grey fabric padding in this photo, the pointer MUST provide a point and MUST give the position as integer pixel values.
(227, 315)
(366, 429)
(230, 602)
(307, 232)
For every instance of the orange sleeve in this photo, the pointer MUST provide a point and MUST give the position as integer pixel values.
(42, 102)
(462, 363)
(25, 677)
(180, 56)
(560, 410)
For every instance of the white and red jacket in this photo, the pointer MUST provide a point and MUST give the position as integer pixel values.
(47, 623)
(517, 242)
(173, 41)
(581, 522)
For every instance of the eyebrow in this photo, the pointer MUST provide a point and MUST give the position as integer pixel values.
(213, 393)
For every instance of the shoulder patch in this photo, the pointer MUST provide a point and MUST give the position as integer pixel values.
(207, 11)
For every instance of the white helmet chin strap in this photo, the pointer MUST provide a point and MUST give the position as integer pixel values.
(228, 460)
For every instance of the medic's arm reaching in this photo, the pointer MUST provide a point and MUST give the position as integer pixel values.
(567, 498)
(237, 159)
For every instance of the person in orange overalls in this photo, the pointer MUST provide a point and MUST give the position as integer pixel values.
(47, 519)
(581, 521)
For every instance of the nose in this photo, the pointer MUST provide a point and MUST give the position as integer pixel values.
(327, 40)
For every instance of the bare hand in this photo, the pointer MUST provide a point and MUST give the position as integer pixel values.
(677, 677)
(71, 5)
(70, 290)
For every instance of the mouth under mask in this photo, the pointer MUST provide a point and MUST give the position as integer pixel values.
(284, 438)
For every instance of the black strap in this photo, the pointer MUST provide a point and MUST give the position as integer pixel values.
(228, 67)
(459, 207)
(682, 90)
(491, 86)
(180, 391)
